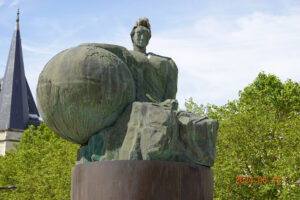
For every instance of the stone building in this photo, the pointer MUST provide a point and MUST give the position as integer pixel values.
(17, 106)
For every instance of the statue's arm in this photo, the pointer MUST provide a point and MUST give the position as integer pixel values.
(172, 80)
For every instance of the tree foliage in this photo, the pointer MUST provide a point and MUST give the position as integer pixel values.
(259, 135)
(40, 167)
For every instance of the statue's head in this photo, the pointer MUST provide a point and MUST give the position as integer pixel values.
(141, 34)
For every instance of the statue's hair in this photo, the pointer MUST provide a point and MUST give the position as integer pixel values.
(141, 22)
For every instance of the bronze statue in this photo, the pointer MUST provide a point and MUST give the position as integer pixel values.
(121, 105)
(157, 75)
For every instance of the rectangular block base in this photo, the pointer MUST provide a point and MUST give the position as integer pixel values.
(141, 180)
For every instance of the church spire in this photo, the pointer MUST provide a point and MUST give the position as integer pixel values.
(17, 20)
(16, 102)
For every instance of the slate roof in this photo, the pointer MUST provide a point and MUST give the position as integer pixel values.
(16, 101)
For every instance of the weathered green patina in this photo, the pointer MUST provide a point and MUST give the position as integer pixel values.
(83, 90)
(120, 104)
(151, 131)
(155, 76)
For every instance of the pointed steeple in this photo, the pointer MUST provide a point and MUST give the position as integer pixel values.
(16, 102)
(17, 20)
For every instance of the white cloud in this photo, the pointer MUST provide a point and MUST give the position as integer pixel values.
(216, 58)
(38, 50)
(14, 2)
(2, 2)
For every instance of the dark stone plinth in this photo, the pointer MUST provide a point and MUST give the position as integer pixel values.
(141, 180)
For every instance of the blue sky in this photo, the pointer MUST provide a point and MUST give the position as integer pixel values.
(219, 46)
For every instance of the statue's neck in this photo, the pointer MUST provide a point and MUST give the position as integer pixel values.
(139, 49)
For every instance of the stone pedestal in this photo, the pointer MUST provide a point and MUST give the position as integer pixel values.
(141, 180)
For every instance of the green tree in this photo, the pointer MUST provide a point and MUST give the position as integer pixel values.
(40, 167)
(259, 135)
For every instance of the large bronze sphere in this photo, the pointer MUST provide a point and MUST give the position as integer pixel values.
(82, 90)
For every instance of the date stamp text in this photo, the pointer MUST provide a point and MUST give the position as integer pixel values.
(259, 179)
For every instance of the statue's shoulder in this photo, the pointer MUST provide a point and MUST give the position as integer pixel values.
(149, 54)
(158, 58)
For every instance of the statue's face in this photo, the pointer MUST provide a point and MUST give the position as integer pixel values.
(141, 37)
